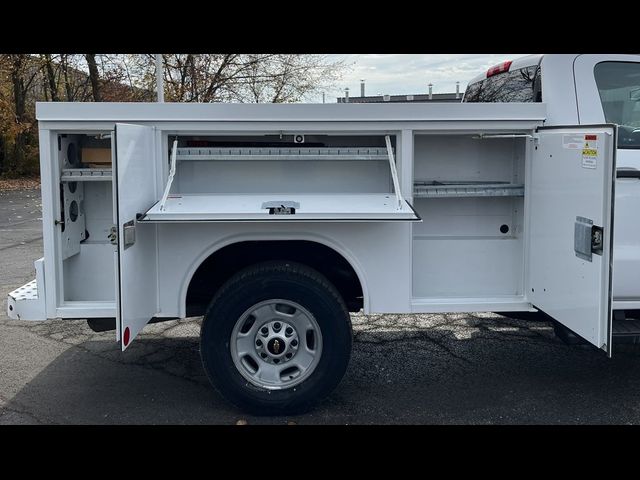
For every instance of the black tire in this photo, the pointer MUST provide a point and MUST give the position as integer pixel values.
(269, 280)
(567, 336)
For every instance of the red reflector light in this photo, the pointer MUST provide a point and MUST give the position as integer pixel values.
(500, 68)
(591, 137)
(127, 336)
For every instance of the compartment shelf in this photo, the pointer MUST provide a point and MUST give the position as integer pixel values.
(467, 189)
(278, 153)
(86, 175)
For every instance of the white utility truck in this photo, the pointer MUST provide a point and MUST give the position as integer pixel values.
(276, 221)
(588, 89)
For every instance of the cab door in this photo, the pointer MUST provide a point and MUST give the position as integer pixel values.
(571, 192)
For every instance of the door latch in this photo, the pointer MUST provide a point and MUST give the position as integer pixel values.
(597, 236)
(129, 232)
(285, 207)
(113, 235)
(588, 239)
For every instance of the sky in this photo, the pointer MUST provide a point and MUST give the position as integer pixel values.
(393, 74)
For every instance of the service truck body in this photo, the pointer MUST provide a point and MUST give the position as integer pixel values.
(158, 210)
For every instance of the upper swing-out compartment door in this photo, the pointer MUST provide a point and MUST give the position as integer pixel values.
(134, 172)
(571, 228)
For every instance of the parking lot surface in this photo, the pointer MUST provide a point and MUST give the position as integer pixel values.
(405, 369)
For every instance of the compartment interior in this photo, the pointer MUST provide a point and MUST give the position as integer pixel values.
(469, 192)
(293, 176)
(267, 164)
(86, 203)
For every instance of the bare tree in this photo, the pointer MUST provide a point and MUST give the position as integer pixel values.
(94, 76)
(240, 77)
(51, 76)
(288, 78)
(75, 81)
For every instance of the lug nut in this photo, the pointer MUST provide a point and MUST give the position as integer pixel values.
(294, 343)
(264, 330)
(258, 343)
(289, 355)
(288, 331)
(275, 360)
(277, 326)
(263, 355)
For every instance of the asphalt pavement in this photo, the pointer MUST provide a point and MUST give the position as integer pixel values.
(405, 369)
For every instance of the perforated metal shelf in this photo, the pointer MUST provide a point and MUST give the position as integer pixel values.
(277, 153)
(445, 189)
(86, 175)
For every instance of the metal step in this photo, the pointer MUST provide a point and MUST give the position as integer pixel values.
(626, 328)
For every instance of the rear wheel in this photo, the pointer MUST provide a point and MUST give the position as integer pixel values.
(276, 339)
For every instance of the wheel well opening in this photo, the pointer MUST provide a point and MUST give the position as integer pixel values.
(221, 265)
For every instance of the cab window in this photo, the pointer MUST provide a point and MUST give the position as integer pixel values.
(619, 87)
(521, 85)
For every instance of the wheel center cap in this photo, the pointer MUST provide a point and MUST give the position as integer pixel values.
(276, 346)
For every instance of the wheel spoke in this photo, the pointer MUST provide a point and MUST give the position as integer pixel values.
(269, 373)
(302, 322)
(264, 313)
(302, 359)
(245, 344)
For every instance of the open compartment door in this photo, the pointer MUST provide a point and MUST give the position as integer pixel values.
(571, 228)
(281, 207)
(135, 191)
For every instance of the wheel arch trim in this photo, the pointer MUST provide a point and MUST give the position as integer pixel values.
(338, 247)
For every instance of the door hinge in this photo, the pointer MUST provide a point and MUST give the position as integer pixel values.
(113, 235)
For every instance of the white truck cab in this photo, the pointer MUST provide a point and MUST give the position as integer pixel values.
(275, 221)
(584, 90)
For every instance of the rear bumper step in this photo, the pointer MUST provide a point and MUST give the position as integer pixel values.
(28, 301)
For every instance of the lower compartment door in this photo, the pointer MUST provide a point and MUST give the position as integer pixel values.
(571, 192)
(135, 191)
(282, 208)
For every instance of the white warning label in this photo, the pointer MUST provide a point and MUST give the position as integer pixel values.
(589, 158)
(574, 142)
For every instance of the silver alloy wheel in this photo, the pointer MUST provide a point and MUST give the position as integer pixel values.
(276, 344)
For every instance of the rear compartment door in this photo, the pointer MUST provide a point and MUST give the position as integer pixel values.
(572, 176)
(135, 191)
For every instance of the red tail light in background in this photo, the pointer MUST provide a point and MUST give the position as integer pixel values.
(500, 68)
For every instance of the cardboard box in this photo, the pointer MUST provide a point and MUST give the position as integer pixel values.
(100, 156)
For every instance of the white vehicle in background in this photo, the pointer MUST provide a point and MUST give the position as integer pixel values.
(587, 90)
